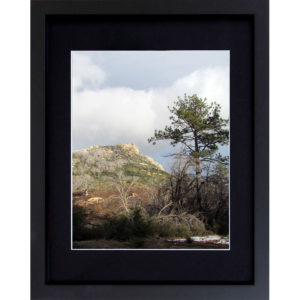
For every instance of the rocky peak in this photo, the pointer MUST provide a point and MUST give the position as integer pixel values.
(131, 148)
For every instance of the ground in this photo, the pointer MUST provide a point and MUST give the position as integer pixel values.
(153, 243)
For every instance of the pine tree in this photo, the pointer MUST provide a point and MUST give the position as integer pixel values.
(200, 128)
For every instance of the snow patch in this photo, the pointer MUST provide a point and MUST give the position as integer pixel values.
(204, 239)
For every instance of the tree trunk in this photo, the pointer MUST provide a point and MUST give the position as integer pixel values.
(198, 171)
(198, 181)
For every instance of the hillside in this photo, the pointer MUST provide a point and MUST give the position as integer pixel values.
(96, 166)
(124, 199)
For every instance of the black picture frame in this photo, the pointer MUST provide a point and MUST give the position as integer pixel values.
(47, 284)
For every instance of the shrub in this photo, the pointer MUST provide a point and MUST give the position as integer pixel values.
(132, 225)
(169, 228)
(138, 242)
(142, 226)
(79, 220)
(180, 226)
(189, 240)
(79, 216)
(136, 226)
(197, 227)
(118, 228)
(80, 231)
(220, 225)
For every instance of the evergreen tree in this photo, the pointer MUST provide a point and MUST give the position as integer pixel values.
(198, 126)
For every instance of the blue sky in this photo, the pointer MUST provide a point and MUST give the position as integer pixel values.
(122, 96)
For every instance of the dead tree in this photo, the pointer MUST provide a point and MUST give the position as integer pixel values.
(123, 186)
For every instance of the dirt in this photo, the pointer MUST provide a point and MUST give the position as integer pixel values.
(152, 243)
(110, 204)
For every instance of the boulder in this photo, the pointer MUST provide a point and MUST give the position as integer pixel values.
(95, 200)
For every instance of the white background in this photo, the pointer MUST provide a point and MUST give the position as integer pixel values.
(14, 156)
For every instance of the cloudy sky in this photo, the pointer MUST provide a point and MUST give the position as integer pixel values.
(122, 96)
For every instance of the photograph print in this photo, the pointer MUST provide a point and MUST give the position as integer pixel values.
(150, 150)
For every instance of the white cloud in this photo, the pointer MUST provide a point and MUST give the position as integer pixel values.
(210, 83)
(85, 74)
(111, 114)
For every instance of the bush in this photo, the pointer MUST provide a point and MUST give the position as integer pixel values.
(221, 225)
(169, 228)
(118, 228)
(136, 226)
(79, 216)
(80, 234)
(138, 242)
(197, 227)
(133, 225)
(180, 226)
(79, 220)
(80, 231)
(189, 240)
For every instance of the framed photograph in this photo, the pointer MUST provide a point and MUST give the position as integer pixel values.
(149, 149)
(128, 194)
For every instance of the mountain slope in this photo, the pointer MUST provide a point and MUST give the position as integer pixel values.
(96, 166)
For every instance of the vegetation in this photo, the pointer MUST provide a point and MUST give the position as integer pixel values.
(199, 127)
(96, 167)
(121, 195)
(133, 226)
